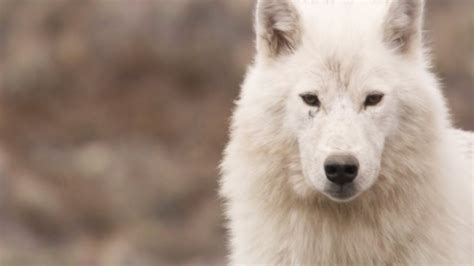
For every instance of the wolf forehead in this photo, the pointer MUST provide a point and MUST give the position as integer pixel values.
(344, 71)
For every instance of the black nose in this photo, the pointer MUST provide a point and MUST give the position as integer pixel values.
(341, 169)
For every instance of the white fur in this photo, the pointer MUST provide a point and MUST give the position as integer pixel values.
(413, 199)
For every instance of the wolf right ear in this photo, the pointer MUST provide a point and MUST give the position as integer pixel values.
(277, 27)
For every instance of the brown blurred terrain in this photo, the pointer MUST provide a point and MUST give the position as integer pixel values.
(113, 115)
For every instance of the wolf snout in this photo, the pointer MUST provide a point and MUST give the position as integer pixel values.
(341, 168)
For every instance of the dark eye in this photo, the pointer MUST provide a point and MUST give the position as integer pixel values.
(373, 99)
(311, 100)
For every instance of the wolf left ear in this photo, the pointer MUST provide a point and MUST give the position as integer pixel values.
(403, 26)
(277, 27)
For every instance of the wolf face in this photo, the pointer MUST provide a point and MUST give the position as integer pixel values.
(340, 87)
(341, 130)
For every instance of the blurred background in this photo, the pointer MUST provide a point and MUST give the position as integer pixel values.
(113, 115)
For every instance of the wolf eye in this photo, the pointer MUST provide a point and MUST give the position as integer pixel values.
(311, 100)
(373, 99)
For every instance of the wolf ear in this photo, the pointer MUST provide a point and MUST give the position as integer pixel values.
(403, 26)
(277, 27)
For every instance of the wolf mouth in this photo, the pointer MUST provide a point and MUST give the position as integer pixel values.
(342, 193)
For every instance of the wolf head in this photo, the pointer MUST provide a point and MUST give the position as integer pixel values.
(338, 87)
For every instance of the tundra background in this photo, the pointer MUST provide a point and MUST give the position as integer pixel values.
(113, 115)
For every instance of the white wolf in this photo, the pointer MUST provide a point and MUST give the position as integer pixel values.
(341, 150)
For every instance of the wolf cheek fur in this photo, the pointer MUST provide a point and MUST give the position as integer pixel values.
(411, 201)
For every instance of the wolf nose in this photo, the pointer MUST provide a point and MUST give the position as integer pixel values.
(341, 169)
